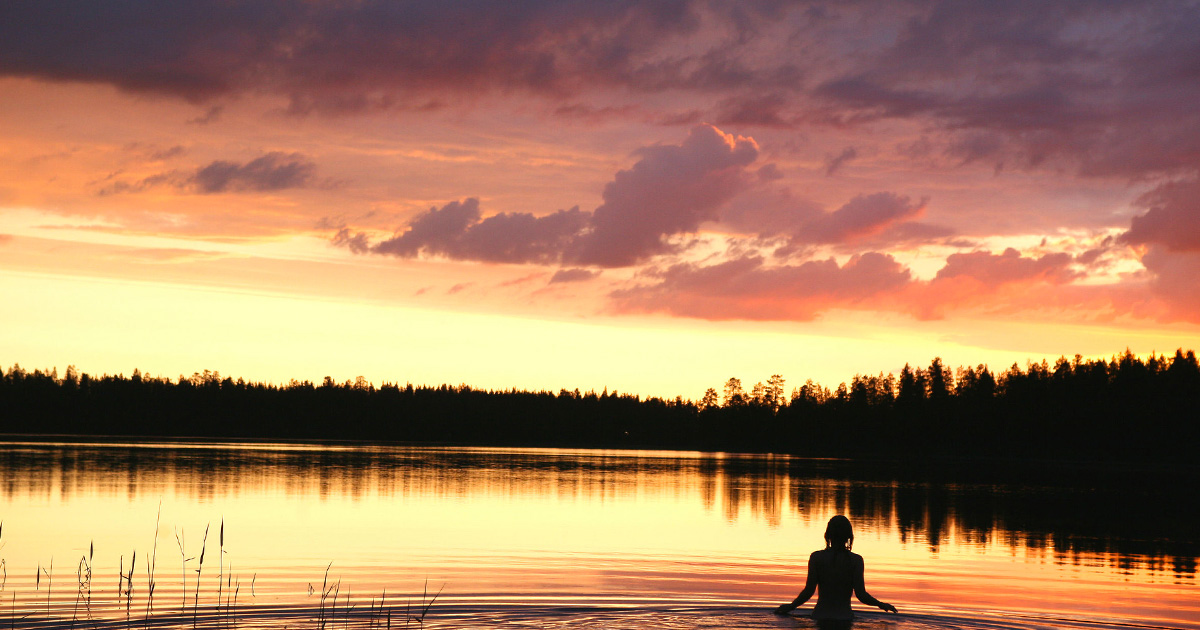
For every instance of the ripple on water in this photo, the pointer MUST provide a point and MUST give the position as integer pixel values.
(517, 617)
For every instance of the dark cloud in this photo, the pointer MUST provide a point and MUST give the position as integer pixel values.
(210, 115)
(669, 191)
(1172, 218)
(356, 243)
(862, 216)
(573, 275)
(1108, 87)
(834, 163)
(273, 171)
(1167, 237)
(154, 152)
(880, 219)
(759, 111)
(745, 288)
(339, 56)
(456, 230)
(269, 172)
(672, 189)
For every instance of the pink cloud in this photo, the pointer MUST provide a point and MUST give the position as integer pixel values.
(1172, 218)
(878, 219)
(670, 190)
(862, 216)
(1010, 266)
(1006, 282)
(745, 288)
(1175, 278)
(457, 230)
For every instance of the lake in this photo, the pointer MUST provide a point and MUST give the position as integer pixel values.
(303, 535)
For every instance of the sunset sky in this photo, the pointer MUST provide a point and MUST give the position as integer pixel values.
(645, 196)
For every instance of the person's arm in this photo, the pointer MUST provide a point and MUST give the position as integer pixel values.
(810, 587)
(860, 589)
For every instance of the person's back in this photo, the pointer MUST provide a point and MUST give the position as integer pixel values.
(835, 573)
(835, 570)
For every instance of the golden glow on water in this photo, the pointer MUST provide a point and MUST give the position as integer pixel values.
(501, 527)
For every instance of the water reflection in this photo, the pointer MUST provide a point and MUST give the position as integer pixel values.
(1082, 516)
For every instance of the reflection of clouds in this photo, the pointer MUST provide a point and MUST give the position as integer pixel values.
(1043, 514)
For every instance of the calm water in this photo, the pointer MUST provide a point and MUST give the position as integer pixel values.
(574, 539)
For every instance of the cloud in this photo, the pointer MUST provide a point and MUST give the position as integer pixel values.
(573, 275)
(270, 172)
(669, 191)
(1172, 218)
(672, 189)
(834, 163)
(877, 219)
(1007, 282)
(766, 110)
(210, 115)
(1010, 266)
(1167, 237)
(356, 243)
(1106, 87)
(746, 288)
(862, 216)
(457, 231)
(273, 171)
(1173, 280)
(337, 56)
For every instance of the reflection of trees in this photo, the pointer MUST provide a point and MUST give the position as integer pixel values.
(1082, 515)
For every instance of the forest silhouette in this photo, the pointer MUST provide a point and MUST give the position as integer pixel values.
(1123, 409)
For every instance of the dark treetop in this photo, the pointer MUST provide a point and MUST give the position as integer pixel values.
(1123, 409)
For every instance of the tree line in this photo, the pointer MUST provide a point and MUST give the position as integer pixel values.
(1122, 409)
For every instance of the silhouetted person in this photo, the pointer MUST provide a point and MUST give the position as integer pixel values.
(835, 572)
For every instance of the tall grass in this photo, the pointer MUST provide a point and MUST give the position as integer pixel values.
(152, 562)
(199, 569)
(336, 607)
(83, 572)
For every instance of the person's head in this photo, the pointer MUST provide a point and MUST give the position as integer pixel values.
(838, 534)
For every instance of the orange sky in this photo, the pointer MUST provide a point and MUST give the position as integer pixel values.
(651, 198)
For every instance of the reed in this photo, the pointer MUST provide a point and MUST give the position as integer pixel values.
(199, 569)
(151, 563)
(220, 561)
(335, 597)
(180, 540)
(83, 571)
(325, 616)
(49, 582)
(424, 607)
(128, 594)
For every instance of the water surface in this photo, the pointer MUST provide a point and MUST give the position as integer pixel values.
(575, 538)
